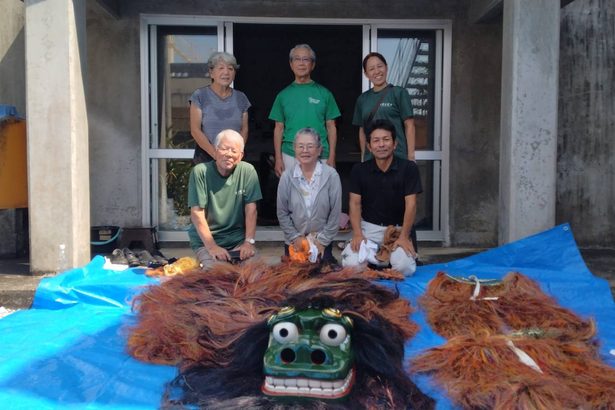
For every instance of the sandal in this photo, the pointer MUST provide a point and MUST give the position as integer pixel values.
(118, 258)
(146, 259)
(131, 258)
(160, 260)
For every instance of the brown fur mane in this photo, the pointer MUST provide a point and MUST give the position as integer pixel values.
(196, 318)
(477, 365)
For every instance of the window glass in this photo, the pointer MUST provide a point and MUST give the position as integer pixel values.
(183, 54)
(182, 68)
(173, 211)
(410, 56)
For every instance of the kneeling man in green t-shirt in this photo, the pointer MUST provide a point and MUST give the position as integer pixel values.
(222, 196)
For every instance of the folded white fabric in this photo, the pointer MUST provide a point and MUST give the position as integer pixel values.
(400, 261)
(313, 249)
(367, 252)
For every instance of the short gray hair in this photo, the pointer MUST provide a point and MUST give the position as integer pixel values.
(221, 57)
(312, 132)
(307, 47)
(230, 135)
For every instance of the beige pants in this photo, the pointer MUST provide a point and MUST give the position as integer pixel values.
(205, 258)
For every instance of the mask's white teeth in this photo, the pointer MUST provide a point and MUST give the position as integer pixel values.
(314, 383)
(308, 387)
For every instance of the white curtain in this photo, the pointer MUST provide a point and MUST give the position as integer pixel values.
(401, 66)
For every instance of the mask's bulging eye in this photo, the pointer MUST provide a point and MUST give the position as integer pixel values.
(332, 334)
(285, 332)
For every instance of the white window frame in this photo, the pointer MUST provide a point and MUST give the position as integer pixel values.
(224, 24)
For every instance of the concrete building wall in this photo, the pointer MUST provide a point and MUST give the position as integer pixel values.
(475, 133)
(114, 100)
(12, 55)
(114, 110)
(586, 145)
(368, 9)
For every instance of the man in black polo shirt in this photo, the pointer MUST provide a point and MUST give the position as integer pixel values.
(382, 192)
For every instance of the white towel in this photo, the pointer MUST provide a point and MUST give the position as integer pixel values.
(313, 249)
(367, 252)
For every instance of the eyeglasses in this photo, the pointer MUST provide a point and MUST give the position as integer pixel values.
(301, 59)
(226, 150)
(305, 147)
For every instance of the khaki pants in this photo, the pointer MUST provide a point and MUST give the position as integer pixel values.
(206, 260)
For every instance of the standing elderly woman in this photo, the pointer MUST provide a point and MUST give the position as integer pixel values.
(309, 198)
(217, 107)
(385, 101)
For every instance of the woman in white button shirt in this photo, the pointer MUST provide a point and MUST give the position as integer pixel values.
(309, 198)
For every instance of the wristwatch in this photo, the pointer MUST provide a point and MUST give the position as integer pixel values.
(251, 241)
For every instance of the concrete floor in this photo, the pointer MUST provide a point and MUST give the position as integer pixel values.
(17, 285)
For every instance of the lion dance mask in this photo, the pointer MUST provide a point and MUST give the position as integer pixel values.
(309, 354)
(284, 336)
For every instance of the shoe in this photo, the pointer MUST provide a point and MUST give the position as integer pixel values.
(160, 260)
(146, 259)
(373, 266)
(131, 258)
(118, 257)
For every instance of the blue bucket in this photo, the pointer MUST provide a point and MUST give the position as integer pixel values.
(104, 239)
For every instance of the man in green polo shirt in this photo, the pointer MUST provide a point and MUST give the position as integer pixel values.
(222, 196)
(303, 104)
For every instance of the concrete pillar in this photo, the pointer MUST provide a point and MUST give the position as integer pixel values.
(58, 165)
(12, 55)
(528, 137)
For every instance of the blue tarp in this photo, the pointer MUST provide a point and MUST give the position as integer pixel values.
(68, 351)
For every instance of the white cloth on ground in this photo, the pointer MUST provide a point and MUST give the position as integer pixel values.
(400, 261)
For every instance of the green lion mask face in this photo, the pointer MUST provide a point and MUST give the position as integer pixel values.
(309, 354)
